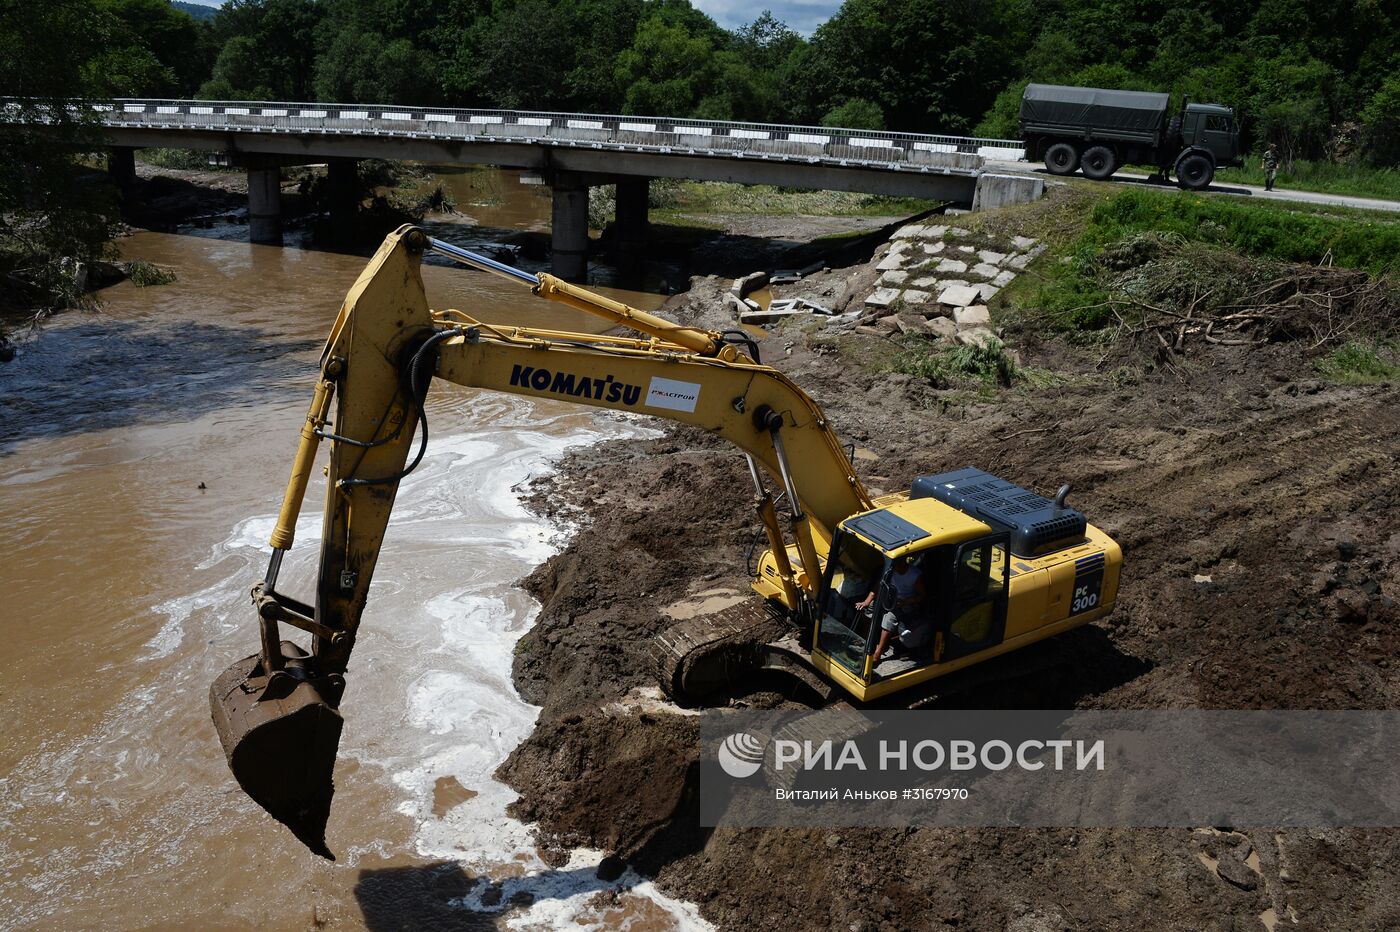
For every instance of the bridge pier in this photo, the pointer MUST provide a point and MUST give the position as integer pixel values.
(121, 166)
(630, 219)
(343, 186)
(264, 203)
(569, 226)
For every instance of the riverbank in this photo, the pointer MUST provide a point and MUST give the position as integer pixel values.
(1253, 497)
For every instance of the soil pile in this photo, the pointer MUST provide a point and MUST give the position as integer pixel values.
(1259, 512)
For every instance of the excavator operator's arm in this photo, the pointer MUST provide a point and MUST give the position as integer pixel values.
(275, 711)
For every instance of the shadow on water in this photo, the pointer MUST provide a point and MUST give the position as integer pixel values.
(103, 374)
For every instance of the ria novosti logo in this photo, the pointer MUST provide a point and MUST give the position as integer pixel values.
(741, 755)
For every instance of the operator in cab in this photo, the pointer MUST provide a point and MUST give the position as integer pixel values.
(904, 618)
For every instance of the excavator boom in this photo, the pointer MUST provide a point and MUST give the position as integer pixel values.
(276, 711)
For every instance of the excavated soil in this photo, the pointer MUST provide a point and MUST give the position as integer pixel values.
(1259, 512)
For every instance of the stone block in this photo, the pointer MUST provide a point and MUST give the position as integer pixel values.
(915, 296)
(985, 270)
(882, 297)
(957, 231)
(958, 296)
(966, 249)
(943, 328)
(934, 248)
(990, 257)
(952, 265)
(978, 336)
(1003, 279)
(890, 263)
(1018, 262)
(1023, 243)
(973, 316)
(935, 232)
(893, 277)
(911, 323)
(987, 291)
(928, 283)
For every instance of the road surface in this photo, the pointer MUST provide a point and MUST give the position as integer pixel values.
(1240, 190)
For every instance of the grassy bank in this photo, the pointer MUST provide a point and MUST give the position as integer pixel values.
(713, 197)
(1165, 268)
(1356, 180)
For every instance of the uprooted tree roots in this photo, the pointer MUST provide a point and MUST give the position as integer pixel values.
(1170, 293)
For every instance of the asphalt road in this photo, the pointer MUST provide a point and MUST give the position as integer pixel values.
(1239, 190)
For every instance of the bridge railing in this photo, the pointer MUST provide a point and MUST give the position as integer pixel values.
(923, 152)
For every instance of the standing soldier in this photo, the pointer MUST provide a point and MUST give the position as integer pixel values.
(1270, 166)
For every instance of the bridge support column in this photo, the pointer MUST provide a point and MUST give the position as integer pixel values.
(121, 166)
(343, 188)
(569, 227)
(630, 221)
(265, 204)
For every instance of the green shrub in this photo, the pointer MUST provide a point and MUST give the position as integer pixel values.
(1360, 363)
(987, 363)
(143, 274)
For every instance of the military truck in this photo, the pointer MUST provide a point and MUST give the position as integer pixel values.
(1098, 131)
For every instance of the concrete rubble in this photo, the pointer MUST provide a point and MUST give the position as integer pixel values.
(931, 280)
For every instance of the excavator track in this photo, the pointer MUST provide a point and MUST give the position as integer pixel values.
(700, 656)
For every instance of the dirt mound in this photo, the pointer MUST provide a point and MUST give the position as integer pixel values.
(1258, 511)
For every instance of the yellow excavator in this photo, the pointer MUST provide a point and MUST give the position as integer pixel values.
(963, 567)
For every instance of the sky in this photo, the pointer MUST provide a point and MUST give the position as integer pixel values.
(802, 15)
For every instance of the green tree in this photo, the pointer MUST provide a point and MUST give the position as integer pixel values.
(667, 71)
(267, 50)
(50, 207)
(1382, 120)
(855, 114)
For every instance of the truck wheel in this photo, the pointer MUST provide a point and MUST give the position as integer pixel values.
(1062, 159)
(1099, 163)
(1194, 172)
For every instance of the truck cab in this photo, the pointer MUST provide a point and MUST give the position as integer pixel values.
(1212, 127)
(1000, 567)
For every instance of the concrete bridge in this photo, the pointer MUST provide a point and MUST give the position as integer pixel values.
(570, 151)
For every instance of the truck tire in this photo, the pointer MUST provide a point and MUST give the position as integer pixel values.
(1194, 171)
(1099, 163)
(1062, 158)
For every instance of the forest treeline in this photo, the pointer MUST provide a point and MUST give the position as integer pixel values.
(1320, 77)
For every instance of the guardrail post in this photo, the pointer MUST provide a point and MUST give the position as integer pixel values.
(265, 203)
(569, 226)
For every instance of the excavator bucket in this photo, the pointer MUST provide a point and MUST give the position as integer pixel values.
(280, 733)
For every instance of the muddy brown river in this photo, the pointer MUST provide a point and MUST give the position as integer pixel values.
(125, 592)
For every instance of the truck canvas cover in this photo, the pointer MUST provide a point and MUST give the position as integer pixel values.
(1128, 111)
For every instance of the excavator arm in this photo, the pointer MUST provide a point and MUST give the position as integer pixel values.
(276, 710)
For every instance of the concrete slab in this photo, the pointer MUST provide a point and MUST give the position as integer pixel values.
(928, 283)
(890, 263)
(958, 296)
(966, 249)
(1023, 243)
(915, 296)
(952, 265)
(974, 316)
(935, 248)
(987, 291)
(990, 257)
(1019, 262)
(882, 297)
(909, 231)
(985, 270)
(937, 232)
(995, 191)
(957, 231)
(893, 277)
(1003, 279)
